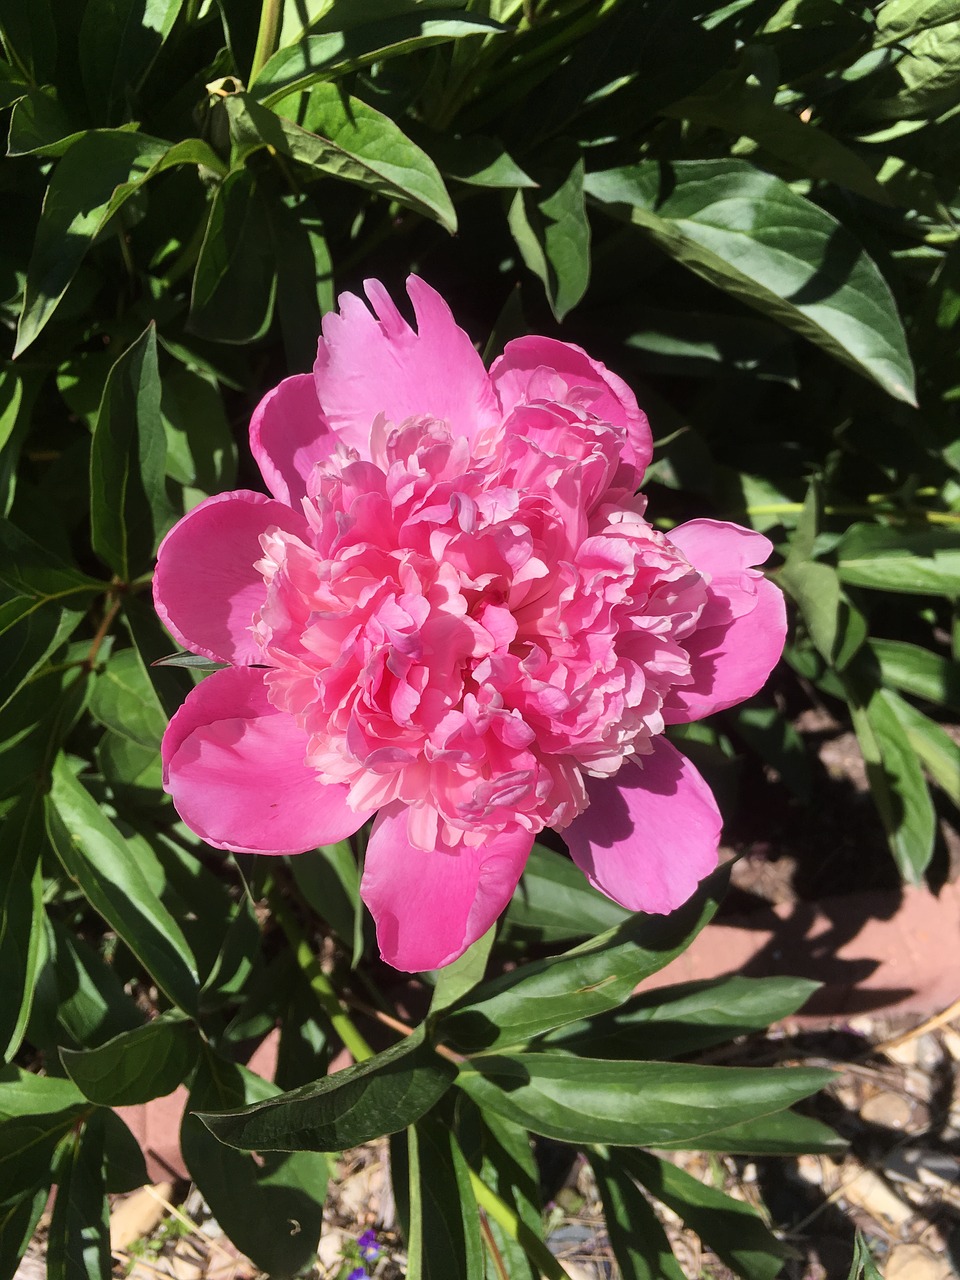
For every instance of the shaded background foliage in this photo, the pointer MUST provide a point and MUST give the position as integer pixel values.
(748, 210)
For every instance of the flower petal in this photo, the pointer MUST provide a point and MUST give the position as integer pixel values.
(430, 906)
(650, 834)
(741, 632)
(519, 377)
(288, 436)
(206, 589)
(234, 765)
(367, 365)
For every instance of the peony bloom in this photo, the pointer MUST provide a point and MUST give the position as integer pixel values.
(453, 614)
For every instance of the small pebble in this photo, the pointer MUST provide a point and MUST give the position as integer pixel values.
(890, 1110)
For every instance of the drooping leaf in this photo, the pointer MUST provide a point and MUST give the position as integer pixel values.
(596, 976)
(333, 52)
(731, 1228)
(637, 1238)
(272, 1207)
(629, 1103)
(345, 139)
(136, 1066)
(113, 879)
(751, 235)
(377, 1097)
(550, 227)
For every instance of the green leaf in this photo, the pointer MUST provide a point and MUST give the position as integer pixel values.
(137, 1066)
(30, 37)
(28, 1143)
(92, 182)
(502, 1155)
(18, 1221)
(938, 752)
(863, 1266)
(377, 1097)
(922, 563)
(896, 779)
(596, 976)
(637, 1238)
(344, 138)
(478, 161)
(444, 1234)
(78, 1247)
(201, 449)
(329, 880)
(129, 511)
(918, 671)
(272, 1208)
(923, 82)
(629, 1103)
(709, 344)
(751, 235)
(21, 917)
(745, 110)
(670, 1021)
(124, 701)
(554, 902)
(899, 19)
(782, 1134)
(85, 993)
(551, 231)
(732, 1229)
(113, 879)
(459, 978)
(40, 126)
(119, 40)
(190, 661)
(235, 283)
(334, 53)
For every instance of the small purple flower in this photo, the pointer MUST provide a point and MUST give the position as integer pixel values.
(358, 1273)
(369, 1249)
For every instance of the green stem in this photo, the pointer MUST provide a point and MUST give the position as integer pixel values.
(517, 1229)
(320, 984)
(904, 514)
(270, 14)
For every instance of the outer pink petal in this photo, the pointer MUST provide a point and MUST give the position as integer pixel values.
(368, 365)
(206, 589)
(613, 402)
(234, 765)
(288, 435)
(429, 907)
(743, 627)
(650, 834)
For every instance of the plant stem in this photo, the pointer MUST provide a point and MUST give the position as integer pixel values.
(270, 14)
(517, 1229)
(905, 514)
(320, 984)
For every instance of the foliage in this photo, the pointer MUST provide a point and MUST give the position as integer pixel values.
(748, 210)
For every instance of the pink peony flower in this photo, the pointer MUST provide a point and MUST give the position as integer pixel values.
(453, 614)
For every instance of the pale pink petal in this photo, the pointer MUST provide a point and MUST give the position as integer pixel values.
(429, 907)
(206, 589)
(519, 375)
(650, 834)
(234, 766)
(741, 632)
(369, 365)
(288, 436)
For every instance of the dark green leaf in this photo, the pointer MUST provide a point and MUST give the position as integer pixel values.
(78, 1247)
(124, 700)
(33, 1120)
(272, 1208)
(896, 779)
(96, 176)
(444, 1233)
(550, 227)
(782, 1134)
(329, 880)
(918, 672)
(554, 902)
(938, 752)
(201, 450)
(333, 52)
(191, 661)
(639, 1242)
(129, 511)
(18, 1221)
(235, 282)
(478, 161)
(836, 626)
(732, 1229)
(40, 126)
(709, 344)
(113, 879)
(377, 1097)
(137, 1066)
(21, 917)
(125, 1168)
(925, 563)
(30, 37)
(119, 40)
(343, 137)
(863, 1266)
(501, 1153)
(459, 978)
(85, 992)
(629, 1103)
(750, 234)
(670, 1021)
(596, 976)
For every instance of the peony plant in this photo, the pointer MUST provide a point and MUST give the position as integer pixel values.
(453, 614)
